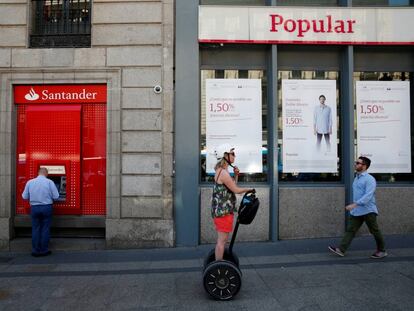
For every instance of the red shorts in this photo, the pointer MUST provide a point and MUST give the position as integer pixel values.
(224, 223)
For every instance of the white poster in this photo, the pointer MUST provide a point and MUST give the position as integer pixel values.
(309, 126)
(234, 118)
(383, 119)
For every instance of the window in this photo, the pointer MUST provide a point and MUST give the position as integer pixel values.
(382, 2)
(307, 75)
(308, 2)
(61, 23)
(234, 74)
(233, 2)
(389, 76)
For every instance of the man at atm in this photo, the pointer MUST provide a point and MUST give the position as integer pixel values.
(40, 192)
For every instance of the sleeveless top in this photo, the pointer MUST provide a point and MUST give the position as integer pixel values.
(223, 201)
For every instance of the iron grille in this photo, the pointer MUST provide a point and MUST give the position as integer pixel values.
(61, 23)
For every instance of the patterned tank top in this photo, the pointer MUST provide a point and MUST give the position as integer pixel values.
(223, 201)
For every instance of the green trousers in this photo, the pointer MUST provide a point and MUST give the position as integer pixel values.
(354, 223)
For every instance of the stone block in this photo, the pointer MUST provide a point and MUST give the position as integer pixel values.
(13, 36)
(141, 163)
(141, 185)
(134, 56)
(5, 229)
(140, 98)
(141, 77)
(5, 164)
(141, 120)
(114, 120)
(257, 231)
(315, 212)
(113, 186)
(43, 57)
(168, 165)
(136, 207)
(13, 14)
(126, 34)
(91, 57)
(113, 208)
(5, 57)
(114, 98)
(396, 210)
(124, 12)
(113, 164)
(134, 233)
(141, 141)
(114, 142)
(168, 208)
(168, 13)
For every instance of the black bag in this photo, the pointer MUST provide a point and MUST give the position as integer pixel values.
(248, 208)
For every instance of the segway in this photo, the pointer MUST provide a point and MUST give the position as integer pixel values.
(222, 279)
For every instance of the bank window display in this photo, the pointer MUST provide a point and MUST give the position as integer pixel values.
(384, 124)
(234, 114)
(307, 2)
(309, 126)
(382, 2)
(233, 2)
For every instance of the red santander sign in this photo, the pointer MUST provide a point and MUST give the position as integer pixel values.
(60, 93)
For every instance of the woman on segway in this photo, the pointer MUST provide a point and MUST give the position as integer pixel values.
(223, 203)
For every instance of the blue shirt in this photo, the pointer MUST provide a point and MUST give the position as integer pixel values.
(364, 190)
(322, 119)
(40, 191)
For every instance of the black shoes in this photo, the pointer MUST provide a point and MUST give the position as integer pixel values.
(42, 254)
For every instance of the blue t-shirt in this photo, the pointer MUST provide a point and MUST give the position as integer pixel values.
(364, 194)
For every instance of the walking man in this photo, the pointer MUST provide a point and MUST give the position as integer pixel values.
(364, 209)
(40, 192)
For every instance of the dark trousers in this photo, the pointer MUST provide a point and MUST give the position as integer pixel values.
(327, 140)
(41, 219)
(354, 223)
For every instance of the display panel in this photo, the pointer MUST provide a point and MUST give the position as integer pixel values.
(234, 74)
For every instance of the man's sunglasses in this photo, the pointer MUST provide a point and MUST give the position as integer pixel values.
(357, 162)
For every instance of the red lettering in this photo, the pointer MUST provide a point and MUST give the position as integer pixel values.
(329, 23)
(276, 20)
(321, 24)
(303, 26)
(292, 26)
(340, 27)
(350, 24)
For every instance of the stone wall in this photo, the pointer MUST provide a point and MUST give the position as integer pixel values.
(132, 51)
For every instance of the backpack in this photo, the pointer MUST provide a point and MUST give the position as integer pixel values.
(248, 208)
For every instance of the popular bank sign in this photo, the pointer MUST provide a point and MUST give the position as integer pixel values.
(363, 26)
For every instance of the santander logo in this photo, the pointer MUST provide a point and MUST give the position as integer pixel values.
(32, 95)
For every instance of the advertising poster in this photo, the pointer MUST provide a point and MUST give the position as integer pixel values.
(383, 125)
(309, 126)
(234, 118)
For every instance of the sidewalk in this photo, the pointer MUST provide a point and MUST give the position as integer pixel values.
(287, 275)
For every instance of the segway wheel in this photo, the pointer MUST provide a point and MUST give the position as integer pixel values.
(222, 280)
(226, 256)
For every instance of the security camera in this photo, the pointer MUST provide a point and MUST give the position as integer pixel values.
(157, 89)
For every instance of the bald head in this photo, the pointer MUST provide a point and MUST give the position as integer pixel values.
(43, 171)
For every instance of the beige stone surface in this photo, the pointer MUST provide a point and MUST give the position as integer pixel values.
(12, 36)
(142, 77)
(126, 34)
(141, 119)
(90, 57)
(136, 185)
(13, 14)
(127, 12)
(29, 58)
(147, 141)
(311, 212)
(141, 98)
(141, 207)
(5, 57)
(141, 163)
(128, 233)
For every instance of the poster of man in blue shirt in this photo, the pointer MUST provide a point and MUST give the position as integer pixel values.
(322, 123)
(40, 192)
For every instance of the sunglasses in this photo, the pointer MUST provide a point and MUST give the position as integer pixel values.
(361, 163)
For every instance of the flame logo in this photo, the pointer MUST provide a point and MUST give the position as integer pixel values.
(31, 95)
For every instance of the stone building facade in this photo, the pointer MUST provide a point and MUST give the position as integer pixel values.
(131, 51)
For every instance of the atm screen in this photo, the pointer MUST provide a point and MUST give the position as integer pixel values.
(60, 182)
